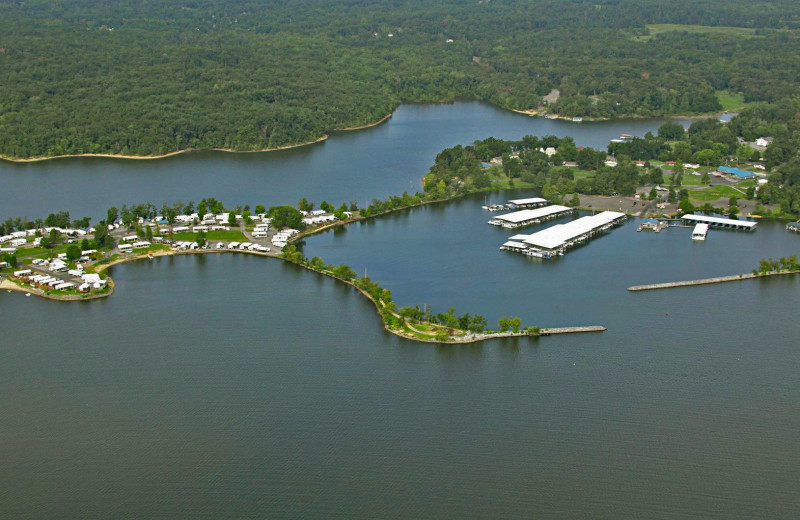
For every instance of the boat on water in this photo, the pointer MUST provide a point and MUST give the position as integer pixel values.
(700, 231)
(577, 119)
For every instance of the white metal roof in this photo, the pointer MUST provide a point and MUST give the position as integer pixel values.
(516, 245)
(719, 220)
(530, 214)
(700, 228)
(558, 235)
(522, 202)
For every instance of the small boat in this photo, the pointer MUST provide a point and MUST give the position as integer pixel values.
(149, 256)
(26, 294)
(577, 119)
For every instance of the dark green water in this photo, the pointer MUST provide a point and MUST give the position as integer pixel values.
(227, 387)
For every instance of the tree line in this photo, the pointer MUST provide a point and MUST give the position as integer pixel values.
(152, 78)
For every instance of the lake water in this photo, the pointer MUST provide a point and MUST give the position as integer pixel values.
(359, 165)
(240, 387)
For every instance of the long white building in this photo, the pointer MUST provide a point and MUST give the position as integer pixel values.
(527, 217)
(533, 202)
(722, 223)
(555, 240)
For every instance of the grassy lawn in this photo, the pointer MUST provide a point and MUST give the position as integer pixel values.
(659, 28)
(714, 193)
(690, 180)
(225, 236)
(41, 252)
(731, 102)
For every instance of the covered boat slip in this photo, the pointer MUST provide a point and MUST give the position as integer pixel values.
(557, 239)
(720, 222)
(527, 217)
(533, 202)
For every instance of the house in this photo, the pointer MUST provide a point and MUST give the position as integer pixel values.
(763, 141)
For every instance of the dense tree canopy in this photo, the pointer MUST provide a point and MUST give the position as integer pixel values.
(143, 78)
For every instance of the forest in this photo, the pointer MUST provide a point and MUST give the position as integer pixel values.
(147, 78)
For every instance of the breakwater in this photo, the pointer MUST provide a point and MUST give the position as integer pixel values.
(706, 281)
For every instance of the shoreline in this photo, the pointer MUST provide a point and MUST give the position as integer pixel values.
(529, 112)
(320, 139)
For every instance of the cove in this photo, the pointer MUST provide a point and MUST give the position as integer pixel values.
(375, 162)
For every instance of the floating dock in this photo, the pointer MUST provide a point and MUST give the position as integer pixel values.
(555, 240)
(721, 223)
(528, 217)
(794, 227)
(535, 202)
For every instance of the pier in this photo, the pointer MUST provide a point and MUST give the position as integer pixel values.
(706, 281)
(529, 217)
(721, 223)
(557, 239)
(571, 330)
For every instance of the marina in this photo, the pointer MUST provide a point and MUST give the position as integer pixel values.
(721, 223)
(556, 240)
(529, 217)
(256, 391)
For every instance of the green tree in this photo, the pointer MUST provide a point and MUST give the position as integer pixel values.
(73, 252)
(201, 238)
(304, 205)
(504, 324)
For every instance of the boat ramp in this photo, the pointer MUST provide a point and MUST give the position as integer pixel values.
(528, 217)
(556, 240)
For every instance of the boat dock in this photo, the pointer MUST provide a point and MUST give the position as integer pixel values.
(653, 226)
(794, 227)
(556, 240)
(535, 202)
(528, 217)
(721, 223)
